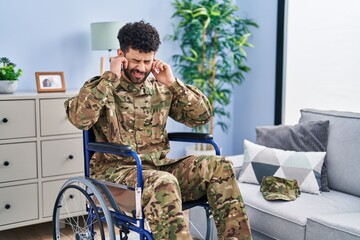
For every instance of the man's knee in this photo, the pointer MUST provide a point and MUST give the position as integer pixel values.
(223, 166)
(164, 181)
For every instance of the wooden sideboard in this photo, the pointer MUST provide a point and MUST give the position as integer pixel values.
(39, 150)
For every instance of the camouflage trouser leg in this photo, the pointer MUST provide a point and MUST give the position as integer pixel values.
(215, 177)
(161, 201)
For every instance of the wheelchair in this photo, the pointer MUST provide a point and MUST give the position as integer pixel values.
(85, 208)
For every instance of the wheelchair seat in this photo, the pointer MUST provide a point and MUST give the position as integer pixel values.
(88, 206)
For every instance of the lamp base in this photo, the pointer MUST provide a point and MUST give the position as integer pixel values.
(102, 65)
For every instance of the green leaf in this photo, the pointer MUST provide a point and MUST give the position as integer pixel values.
(7, 71)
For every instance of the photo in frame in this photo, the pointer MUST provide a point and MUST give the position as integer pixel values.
(50, 82)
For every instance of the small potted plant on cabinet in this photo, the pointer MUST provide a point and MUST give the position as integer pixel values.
(9, 77)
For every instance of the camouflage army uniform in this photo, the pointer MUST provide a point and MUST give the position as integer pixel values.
(120, 112)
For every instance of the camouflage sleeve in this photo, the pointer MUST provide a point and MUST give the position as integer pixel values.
(189, 106)
(84, 109)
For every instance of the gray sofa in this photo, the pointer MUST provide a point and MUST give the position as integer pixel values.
(330, 215)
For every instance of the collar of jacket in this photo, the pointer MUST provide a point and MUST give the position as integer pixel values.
(143, 89)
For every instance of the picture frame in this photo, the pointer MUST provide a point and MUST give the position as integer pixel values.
(50, 82)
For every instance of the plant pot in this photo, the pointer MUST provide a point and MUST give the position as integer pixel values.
(8, 86)
(191, 150)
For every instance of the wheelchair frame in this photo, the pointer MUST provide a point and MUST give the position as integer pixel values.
(99, 197)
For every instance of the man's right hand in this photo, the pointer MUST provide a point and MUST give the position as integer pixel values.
(117, 63)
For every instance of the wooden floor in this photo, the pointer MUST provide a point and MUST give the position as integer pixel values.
(33, 232)
(41, 231)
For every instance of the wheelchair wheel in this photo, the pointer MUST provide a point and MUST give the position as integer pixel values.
(80, 213)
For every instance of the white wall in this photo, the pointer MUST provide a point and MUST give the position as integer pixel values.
(322, 56)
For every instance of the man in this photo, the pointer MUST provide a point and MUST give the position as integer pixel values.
(126, 106)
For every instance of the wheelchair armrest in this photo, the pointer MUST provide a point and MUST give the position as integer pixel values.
(119, 149)
(189, 136)
(113, 148)
(194, 138)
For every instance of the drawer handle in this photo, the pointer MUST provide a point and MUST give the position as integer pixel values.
(5, 120)
(6, 163)
(71, 156)
(7, 206)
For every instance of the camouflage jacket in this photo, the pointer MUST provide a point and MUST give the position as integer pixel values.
(119, 112)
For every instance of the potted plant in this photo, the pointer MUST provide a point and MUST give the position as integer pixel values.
(212, 40)
(8, 76)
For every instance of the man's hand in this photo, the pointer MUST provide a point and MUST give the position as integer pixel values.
(162, 72)
(117, 64)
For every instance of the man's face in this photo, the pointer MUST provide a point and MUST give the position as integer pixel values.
(139, 65)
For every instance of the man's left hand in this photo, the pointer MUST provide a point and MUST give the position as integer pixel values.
(162, 72)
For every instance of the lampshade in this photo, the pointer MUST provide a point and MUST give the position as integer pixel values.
(104, 35)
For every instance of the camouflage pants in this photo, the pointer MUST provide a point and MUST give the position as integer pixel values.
(190, 179)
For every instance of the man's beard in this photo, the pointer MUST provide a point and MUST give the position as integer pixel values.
(133, 79)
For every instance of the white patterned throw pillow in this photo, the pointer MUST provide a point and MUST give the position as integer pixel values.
(261, 161)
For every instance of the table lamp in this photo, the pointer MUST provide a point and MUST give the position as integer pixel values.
(104, 37)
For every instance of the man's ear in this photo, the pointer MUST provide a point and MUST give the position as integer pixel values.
(120, 52)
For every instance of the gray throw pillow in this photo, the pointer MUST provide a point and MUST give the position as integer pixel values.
(302, 137)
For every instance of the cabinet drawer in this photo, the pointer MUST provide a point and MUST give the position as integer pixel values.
(18, 204)
(53, 118)
(18, 161)
(17, 119)
(61, 157)
(51, 190)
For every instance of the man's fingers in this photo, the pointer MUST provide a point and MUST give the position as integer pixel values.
(159, 65)
(122, 60)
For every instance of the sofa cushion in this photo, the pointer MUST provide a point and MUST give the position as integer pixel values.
(302, 137)
(260, 161)
(334, 226)
(343, 151)
(287, 220)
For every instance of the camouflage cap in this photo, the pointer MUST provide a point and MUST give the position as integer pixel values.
(276, 188)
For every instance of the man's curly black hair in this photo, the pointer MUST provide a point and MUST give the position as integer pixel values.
(140, 36)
